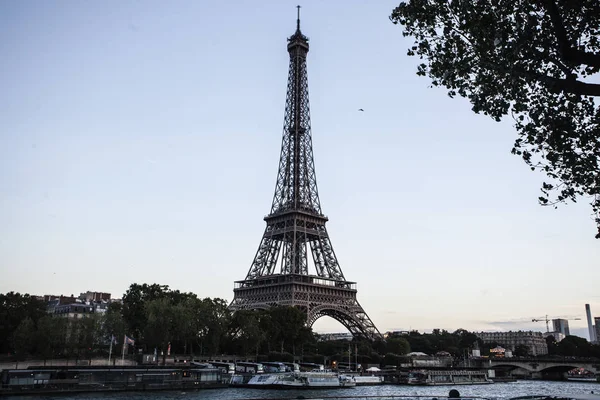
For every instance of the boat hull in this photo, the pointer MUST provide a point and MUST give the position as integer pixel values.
(591, 379)
(292, 387)
(449, 383)
(447, 378)
(368, 380)
(295, 381)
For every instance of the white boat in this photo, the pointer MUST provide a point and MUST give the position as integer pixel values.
(301, 380)
(368, 380)
(582, 378)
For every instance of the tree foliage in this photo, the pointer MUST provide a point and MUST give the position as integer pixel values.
(163, 320)
(455, 343)
(51, 336)
(574, 346)
(287, 323)
(85, 335)
(206, 327)
(521, 350)
(531, 60)
(14, 308)
(134, 301)
(157, 316)
(246, 330)
(114, 324)
(398, 345)
(23, 338)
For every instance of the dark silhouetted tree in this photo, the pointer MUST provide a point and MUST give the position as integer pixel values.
(24, 338)
(531, 60)
(521, 350)
(14, 308)
(50, 336)
(552, 345)
(398, 345)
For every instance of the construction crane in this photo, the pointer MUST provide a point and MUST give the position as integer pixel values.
(545, 319)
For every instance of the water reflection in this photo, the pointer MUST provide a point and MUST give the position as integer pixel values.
(391, 392)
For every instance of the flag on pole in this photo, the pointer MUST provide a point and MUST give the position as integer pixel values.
(128, 340)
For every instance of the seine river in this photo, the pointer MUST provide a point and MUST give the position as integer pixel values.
(493, 391)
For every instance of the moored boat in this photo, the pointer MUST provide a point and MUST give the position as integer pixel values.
(36, 381)
(368, 380)
(583, 378)
(298, 380)
(458, 377)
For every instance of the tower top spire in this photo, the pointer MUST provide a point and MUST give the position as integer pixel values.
(298, 40)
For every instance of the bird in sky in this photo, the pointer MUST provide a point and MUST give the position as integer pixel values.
(360, 109)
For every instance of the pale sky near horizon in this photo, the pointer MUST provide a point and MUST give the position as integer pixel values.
(139, 142)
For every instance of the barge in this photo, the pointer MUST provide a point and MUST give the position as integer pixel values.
(449, 377)
(47, 380)
(294, 380)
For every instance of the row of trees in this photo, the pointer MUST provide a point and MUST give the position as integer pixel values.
(15, 310)
(53, 337)
(455, 343)
(573, 346)
(158, 318)
(27, 329)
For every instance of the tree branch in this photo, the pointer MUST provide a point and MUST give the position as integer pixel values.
(565, 48)
(559, 64)
(554, 84)
(564, 85)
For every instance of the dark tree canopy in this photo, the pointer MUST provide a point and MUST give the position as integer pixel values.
(14, 309)
(533, 60)
(521, 350)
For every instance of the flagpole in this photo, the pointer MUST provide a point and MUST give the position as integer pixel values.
(112, 338)
(123, 352)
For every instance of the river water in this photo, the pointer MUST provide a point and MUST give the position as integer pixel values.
(493, 391)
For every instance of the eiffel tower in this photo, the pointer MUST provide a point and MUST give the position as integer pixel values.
(296, 224)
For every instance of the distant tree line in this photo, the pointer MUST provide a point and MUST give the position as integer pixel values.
(160, 319)
(572, 346)
(27, 329)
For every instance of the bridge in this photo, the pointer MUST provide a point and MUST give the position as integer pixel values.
(537, 367)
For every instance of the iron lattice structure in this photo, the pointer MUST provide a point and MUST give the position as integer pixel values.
(296, 226)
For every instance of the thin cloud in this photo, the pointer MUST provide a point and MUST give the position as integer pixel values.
(513, 321)
(510, 322)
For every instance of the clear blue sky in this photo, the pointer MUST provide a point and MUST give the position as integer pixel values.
(139, 142)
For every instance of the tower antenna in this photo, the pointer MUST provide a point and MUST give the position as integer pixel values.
(298, 20)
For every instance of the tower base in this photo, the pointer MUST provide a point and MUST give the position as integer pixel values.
(315, 295)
